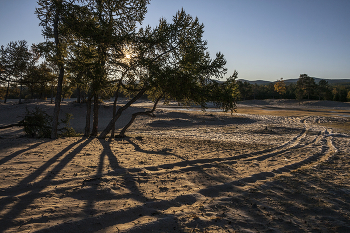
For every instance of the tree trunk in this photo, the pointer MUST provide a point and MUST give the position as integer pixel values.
(78, 94)
(56, 111)
(95, 114)
(20, 94)
(134, 115)
(60, 76)
(7, 91)
(83, 97)
(51, 93)
(114, 110)
(63, 94)
(119, 113)
(88, 114)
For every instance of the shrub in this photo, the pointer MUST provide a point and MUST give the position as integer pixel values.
(68, 131)
(37, 124)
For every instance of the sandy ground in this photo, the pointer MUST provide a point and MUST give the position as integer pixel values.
(275, 166)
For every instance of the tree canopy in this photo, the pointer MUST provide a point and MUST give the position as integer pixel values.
(171, 61)
(98, 47)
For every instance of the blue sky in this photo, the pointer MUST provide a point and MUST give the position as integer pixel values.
(261, 39)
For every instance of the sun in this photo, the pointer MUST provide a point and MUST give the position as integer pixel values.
(128, 56)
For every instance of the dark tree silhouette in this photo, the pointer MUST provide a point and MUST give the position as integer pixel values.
(305, 86)
(172, 62)
(51, 15)
(14, 58)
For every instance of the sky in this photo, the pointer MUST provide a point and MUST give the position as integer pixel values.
(261, 39)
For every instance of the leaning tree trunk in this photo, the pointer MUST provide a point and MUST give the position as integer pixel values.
(88, 115)
(119, 113)
(95, 114)
(114, 111)
(134, 115)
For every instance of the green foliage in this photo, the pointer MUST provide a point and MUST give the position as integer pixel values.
(67, 131)
(245, 89)
(323, 90)
(226, 94)
(305, 85)
(176, 62)
(340, 93)
(14, 60)
(38, 79)
(37, 123)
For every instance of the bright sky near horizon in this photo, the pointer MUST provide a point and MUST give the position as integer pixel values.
(261, 39)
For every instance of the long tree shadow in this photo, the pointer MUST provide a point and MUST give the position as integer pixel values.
(17, 189)
(23, 185)
(163, 152)
(277, 205)
(151, 207)
(205, 163)
(290, 204)
(148, 207)
(15, 154)
(8, 219)
(129, 181)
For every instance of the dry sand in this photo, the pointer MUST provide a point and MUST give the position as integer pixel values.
(275, 166)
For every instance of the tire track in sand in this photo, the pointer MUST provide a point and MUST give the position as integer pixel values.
(326, 150)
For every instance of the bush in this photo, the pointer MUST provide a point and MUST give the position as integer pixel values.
(68, 131)
(37, 124)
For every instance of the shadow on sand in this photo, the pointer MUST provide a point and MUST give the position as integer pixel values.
(284, 204)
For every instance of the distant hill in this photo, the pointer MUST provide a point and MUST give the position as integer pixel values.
(259, 82)
(289, 81)
(338, 81)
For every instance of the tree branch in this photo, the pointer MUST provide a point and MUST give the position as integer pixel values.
(134, 115)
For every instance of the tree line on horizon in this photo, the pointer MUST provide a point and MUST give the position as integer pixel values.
(96, 50)
(305, 88)
(40, 85)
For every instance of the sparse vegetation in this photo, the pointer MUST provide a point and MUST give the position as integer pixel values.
(37, 124)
